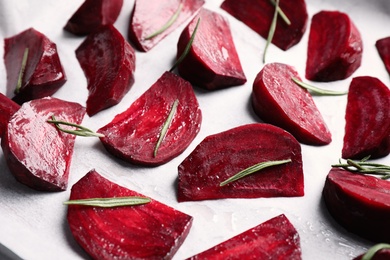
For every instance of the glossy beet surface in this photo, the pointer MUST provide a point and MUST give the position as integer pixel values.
(212, 62)
(38, 154)
(149, 231)
(108, 62)
(383, 47)
(367, 127)
(276, 99)
(273, 239)
(7, 109)
(335, 47)
(223, 155)
(133, 134)
(258, 14)
(92, 14)
(149, 17)
(360, 203)
(43, 73)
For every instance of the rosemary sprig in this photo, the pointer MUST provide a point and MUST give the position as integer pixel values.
(272, 28)
(21, 72)
(281, 13)
(365, 167)
(110, 202)
(253, 169)
(81, 131)
(373, 250)
(318, 91)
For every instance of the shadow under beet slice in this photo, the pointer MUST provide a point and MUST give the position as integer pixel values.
(7, 109)
(221, 156)
(133, 135)
(149, 231)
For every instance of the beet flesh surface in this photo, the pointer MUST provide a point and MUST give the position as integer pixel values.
(108, 62)
(37, 153)
(258, 15)
(133, 134)
(335, 47)
(7, 109)
(212, 62)
(383, 48)
(43, 74)
(148, 17)
(149, 231)
(276, 99)
(367, 128)
(222, 155)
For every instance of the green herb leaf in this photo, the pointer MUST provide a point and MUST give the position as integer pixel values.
(318, 91)
(281, 13)
(81, 131)
(21, 72)
(110, 202)
(253, 169)
(364, 167)
(373, 250)
(272, 28)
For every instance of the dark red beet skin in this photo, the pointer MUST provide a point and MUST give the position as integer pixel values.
(133, 134)
(360, 203)
(36, 152)
(7, 109)
(258, 14)
(212, 62)
(108, 62)
(383, 254)
(43, 74)
(92, 14)
(367, 128)
(149, 17)
(220, 156)
(383, 48)
(149, 231)
(335, 47)
(276, 99)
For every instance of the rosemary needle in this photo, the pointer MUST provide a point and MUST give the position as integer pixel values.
(110, 202)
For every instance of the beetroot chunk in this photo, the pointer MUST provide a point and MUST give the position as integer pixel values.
(7, 109)
(276, 99)
(367, 128)
(335, 47)
(258, 14)
(36, 152)
(43, 73)
(383, 47)
(383, 254)
(108, 61)
(148, 17)
(222, 155)
(360, 203)
(212, 62)
(133, 134)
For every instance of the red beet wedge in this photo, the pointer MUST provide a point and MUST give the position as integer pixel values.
(212, 61)
(92, 14)
(108, 62)
(335, 47)
(36, 152)
(258, 14)
(41, 73)
(383, 47)
(149, 231)
(134, 134)
(276, 99)
(150, 19)
(367, 128)
(221, 156)
(273, 239)
(7, 109)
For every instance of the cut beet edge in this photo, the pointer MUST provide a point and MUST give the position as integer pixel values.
(7, 109)
(383, 48)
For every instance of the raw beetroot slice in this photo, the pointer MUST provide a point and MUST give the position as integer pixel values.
(223, 155)
(133, 134)
(367, 128)
(36, 152)
(149, 17)
(7, 109)
(383, 47)
(274, 239)
(278, 100)
(258, 14)
(335, 47)
(149, 231)
(212, 61)
(42, 74)
(108, 61)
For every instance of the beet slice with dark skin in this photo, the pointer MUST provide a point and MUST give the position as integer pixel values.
(274, 239)
(367, 128)
(149, 231)
(36, 152)
(148, 17)
(276, 99)
(133, 134)
(360, 203)
(7, 109)
(108, 62)
(335, 47)
(212, 62)
(220, 156)
(383, 48)
(43, 73)
(92, 14)
(258, 14)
